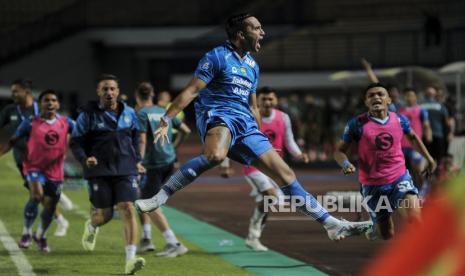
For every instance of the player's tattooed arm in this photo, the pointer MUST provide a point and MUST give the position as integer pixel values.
(418, 145)
(180, 102)
(340, 155)
(186, 96)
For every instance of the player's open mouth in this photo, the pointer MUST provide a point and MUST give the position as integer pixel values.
(376, 103)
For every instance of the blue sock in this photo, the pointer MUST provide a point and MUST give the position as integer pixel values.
(30, 213)
(187, 174)
(312, 207)
(45, 219)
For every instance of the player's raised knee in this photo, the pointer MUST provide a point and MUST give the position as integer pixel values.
(215, 158)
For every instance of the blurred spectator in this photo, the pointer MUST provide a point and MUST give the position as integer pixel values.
(438, 117)
(311, 126)
(397, 101)
(164, 99)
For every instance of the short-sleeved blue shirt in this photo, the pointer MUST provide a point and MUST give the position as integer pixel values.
(230, 80)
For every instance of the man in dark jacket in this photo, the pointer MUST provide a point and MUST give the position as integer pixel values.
(106, 143)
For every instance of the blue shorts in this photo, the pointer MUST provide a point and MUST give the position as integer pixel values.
(412, 156)
(51, 188)
(247, 142)
(387, 197)
(107, 191)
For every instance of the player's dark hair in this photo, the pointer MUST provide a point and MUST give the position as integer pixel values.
(266, 90)
(145, 91)
(373, 85)
(24, 83)
(236, 23)
(104, 77)
(48, 92)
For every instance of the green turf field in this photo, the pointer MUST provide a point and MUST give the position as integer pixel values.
(213, 251)
(67, 256)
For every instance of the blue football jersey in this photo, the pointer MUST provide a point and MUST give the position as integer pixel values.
(230, 80)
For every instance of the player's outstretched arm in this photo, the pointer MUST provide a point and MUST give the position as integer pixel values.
(189, 93)
(180, 102)
(371, 74)
(23, 130)
(8, 146)
(427, 132)
(420, 147)
(291, 144)
(340, 155)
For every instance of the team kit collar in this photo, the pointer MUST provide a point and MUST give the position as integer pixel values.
(231, 47)
(377, 120)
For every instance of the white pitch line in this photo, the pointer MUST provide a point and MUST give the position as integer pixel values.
(276, 218)
(11, 165)
(18, 257)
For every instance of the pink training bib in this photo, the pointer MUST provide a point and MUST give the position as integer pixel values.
(380, 151)
(46, 148)
(275, 131)
(413, 114)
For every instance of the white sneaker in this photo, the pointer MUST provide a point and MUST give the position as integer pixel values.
(62, 228)
(146, 205)
(173, 250)
(255, 245)
(133, 265)
(145, 245)
(347, 228)
(66, 203)
(88, 238)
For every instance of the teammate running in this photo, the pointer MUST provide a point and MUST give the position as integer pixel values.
(159, 161)
(386, 183)
(43, 165)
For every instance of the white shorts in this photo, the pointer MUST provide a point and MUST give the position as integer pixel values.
(260, 183)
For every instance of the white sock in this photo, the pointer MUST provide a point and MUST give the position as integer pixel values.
(162, 197)
(257, 216)
(40, 230)
(130, 251)
(92, 228)
(147, 231)
(60, 219)
(27, 230)
(330, 222)
(170, 237)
